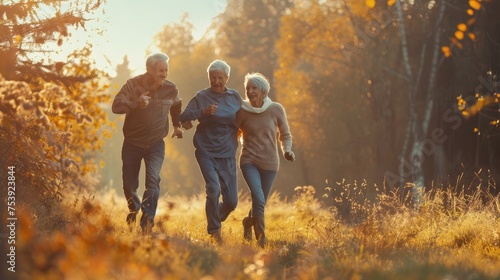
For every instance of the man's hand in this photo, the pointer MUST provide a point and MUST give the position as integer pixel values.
(144, 100)
(290, 156)
(177, 132)
(187, 125)
(210, 110)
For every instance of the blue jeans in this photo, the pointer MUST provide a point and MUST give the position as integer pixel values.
(260, 183)
(132, 157)
(220, 178)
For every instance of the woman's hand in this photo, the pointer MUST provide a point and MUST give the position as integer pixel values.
(290, 156)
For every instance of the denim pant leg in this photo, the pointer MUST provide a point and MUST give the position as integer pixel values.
(212, 190)
(153, 161)
(131, 159)
(218, 181)
(229, 186)
(260, 183)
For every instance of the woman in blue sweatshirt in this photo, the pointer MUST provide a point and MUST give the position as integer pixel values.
(215, 142)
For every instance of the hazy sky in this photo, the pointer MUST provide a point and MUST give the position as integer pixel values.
(129, 25)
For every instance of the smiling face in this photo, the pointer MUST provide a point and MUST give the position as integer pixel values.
(159, 72)
(254, 95)
(218, 80)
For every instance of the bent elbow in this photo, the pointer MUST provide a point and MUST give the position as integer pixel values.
(119, 109)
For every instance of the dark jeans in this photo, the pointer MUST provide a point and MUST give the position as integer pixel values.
(220, 178)
(132, 157)
(260, 183)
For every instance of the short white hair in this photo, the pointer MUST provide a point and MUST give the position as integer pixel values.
(154, 58)
(219, 65)
(259, 80)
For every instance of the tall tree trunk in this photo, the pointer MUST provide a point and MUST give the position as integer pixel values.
(403, 164)
(417, 130)
(418, 149)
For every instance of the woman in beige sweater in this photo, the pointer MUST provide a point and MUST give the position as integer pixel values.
(260, 120)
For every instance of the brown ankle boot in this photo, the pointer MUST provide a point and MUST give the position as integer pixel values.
(217, 237)
(247, 228)
(259, 227)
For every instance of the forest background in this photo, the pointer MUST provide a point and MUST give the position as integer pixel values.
(404, 93)
(380, 95)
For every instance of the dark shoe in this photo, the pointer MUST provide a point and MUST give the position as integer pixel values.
(260, 228)
(131, 218)
(147, 224)
(217, 237)
(247, 228)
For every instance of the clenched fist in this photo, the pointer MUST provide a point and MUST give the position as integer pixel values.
(144, 100)
(290, 156)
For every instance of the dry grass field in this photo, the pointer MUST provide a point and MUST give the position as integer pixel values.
(453, 235)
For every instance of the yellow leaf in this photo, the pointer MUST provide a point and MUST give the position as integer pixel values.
(18, 39)
(459, 35)
(446, 51)
(476, 129)
(472, 36)
(480, 103)
(462, 27)
(391, 2)
(370, 3)
(470, 12)
(475, 4)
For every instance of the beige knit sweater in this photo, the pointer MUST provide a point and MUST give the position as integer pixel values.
(260, 136)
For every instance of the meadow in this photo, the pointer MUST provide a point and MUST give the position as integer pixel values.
(361, 232)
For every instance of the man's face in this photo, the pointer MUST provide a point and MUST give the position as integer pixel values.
(159, 72)
(218, 80)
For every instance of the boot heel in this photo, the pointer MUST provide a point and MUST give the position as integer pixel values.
(260, 231)
(247, 228)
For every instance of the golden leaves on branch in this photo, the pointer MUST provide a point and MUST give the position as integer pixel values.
(482, 101)
(371, 3)
(44, 125)
(463, 29)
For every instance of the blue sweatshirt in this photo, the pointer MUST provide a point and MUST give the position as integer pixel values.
(215, 136)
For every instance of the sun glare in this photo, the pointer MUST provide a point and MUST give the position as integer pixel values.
(121, 29)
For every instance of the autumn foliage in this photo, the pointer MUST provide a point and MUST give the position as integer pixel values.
(50, 111)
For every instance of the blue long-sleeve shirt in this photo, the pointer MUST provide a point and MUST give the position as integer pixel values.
(216, 135)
